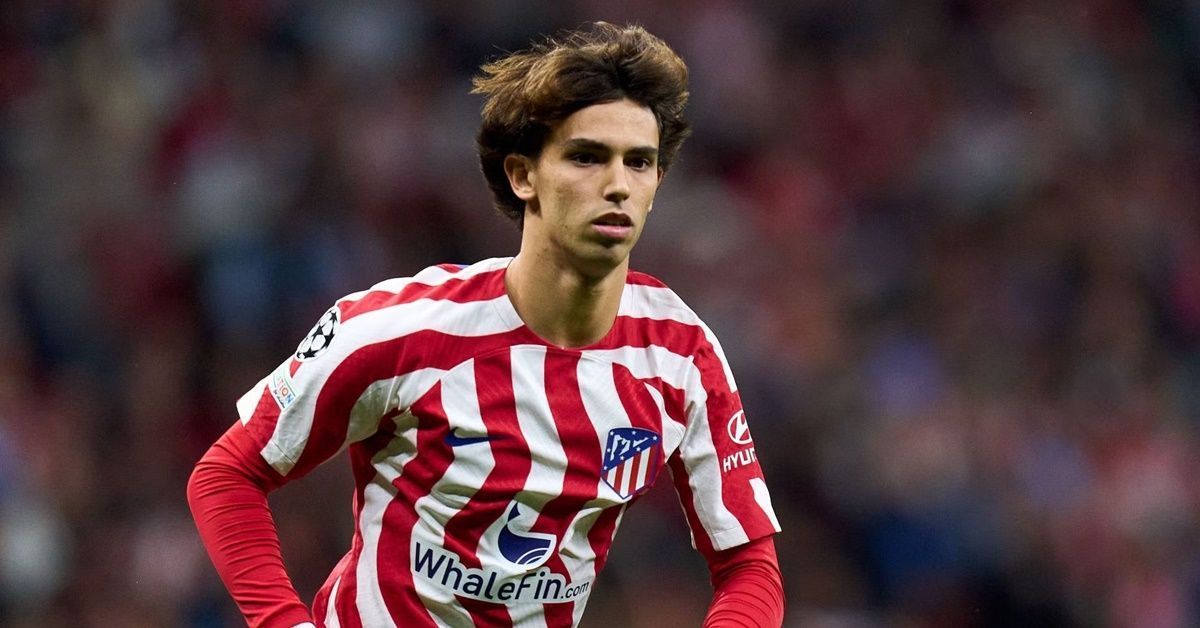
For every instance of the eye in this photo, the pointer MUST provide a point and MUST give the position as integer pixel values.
(583, 159)
(639, 163)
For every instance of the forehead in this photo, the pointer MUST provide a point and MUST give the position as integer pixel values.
(619, 124)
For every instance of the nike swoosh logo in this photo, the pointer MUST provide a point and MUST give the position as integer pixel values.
(454, 440)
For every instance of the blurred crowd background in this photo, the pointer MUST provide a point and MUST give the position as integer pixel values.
(952, 250)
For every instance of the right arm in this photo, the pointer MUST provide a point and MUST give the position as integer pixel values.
(290, 422)
(346, 375)
(227, 493)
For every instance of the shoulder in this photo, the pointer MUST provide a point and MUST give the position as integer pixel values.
(647, 296)
(406, 323)
(666, 320)
(449, 283)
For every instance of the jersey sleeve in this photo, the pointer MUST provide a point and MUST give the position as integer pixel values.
(333, 391)
(715, 470)
(747, 587)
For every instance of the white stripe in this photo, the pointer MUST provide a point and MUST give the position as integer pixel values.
(604, 411)
(675, 370)
(672, 432)
(663, 304)
(548, 473)
(535, 419)
(368, 597)
(602, 404)
(626, 475)
(703, 468)
(763, 497)
(592, 514)
(295, 423)
(631, 475)
(648, 362)
(431, 276)
(389, 462)
(450, 494)
(694, 442)
(331, 618)
(388, 395)
(696, 448)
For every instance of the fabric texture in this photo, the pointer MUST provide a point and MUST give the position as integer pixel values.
(491, 468)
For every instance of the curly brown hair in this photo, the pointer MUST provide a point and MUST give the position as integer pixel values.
(526, 92)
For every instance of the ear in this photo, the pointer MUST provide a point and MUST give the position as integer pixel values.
(521, 176)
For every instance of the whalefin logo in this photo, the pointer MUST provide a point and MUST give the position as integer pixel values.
(524, 548)
(629, 456)
(517, 576)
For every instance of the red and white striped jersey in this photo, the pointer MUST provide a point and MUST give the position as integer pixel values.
(491, 468)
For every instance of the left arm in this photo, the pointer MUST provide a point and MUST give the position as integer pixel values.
(748, 587)
(725, 499)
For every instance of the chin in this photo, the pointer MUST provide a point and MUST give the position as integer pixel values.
(600, 263)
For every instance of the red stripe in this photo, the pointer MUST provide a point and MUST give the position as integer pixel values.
(634, 465)
(684, 339)
(486, 613)
(681, 338)
(619, 481)
(493, 386)
(395, 538)
(347, 615)
(479, 287)
(643, 413)
(680, 478)
(346, 602)
(360, 462)
(674, 399)
(261, 426)
(498, 407)
(584, 455)
(636, 278)
(600, 536)
(377, 362)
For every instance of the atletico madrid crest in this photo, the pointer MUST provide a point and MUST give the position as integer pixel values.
(630, 457)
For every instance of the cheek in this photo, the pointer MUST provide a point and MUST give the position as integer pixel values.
(567, 199)
(647, 199)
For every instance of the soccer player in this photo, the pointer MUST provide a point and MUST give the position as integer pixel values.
(500, 417)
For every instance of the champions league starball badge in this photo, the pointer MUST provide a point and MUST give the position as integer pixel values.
(318, 340)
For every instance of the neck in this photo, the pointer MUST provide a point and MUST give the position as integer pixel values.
(560, 304)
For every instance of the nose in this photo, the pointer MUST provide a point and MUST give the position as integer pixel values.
(616, 187)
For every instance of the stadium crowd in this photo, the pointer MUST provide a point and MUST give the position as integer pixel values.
(952, 250)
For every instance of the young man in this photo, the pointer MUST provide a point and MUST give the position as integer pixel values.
(500, 417)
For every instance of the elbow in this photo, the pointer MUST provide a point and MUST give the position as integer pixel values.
(224, 468)
(205, 478)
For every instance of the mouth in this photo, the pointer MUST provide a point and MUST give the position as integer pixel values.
(614, 226)
(614, 219)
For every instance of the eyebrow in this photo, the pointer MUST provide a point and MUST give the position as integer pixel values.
(580, 143)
